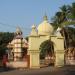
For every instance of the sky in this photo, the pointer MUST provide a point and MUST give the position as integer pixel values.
(25, 13)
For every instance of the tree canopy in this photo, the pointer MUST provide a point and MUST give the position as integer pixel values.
(5, 38)
(65, 18)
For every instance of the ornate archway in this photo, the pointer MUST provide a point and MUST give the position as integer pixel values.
(47, 54)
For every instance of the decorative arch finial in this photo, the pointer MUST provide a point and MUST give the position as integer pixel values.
(33, 26)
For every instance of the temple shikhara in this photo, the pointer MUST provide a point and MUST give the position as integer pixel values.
(26, 54)
(17, 48)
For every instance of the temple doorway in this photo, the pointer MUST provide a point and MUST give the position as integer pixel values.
(47, 56)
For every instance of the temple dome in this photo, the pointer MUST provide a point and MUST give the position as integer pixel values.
(45, 28)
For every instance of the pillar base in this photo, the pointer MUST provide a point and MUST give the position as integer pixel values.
(35, 67)
(58, 65)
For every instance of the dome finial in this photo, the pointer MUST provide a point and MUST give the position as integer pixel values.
(45, 17)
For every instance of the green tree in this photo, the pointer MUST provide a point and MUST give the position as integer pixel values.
(64, 18)
(5, 38)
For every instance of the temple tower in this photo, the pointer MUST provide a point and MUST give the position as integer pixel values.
(17, 51)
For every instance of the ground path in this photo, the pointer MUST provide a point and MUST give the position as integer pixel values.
(68, 70)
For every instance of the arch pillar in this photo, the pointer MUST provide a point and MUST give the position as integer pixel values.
(59, 50)
(34, 52)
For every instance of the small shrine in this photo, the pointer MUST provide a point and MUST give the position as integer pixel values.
(17, 49)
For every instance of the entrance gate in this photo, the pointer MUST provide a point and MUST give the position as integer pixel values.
(47, 54)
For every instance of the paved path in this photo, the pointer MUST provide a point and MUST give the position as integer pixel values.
(69, 70)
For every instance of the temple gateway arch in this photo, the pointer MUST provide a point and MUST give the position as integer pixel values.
(44, 32)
